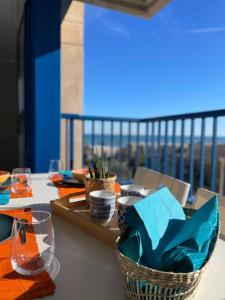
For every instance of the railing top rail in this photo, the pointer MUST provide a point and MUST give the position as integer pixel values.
(201, 115)
(97, 118)
(205, 114)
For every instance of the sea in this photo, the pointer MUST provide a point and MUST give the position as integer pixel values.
(124, 140)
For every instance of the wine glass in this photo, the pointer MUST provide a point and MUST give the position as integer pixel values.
(21, 180)
(54, 168)
(32, 242)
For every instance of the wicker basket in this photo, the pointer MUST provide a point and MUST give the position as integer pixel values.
(106, 184)
(142, 283)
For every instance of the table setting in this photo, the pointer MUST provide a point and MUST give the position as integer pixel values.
(23, 263)
(148, 245)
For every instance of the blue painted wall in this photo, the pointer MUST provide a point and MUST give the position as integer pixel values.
(42, 82)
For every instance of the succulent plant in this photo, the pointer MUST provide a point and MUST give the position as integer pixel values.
(98, 169)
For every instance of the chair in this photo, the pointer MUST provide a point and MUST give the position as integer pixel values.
(139, 175)
(151, 179)
(180, 190)
(202, 197)
(167, 181)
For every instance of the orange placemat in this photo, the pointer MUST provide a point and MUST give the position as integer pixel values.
(20, 186)
(65, 191)
(15, 286)
(22, 195)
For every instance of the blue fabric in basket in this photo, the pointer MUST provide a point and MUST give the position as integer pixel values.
(4, 197)
(167, 241)
(66, 174)
(132, 246)
(190, 248)
(151, 217)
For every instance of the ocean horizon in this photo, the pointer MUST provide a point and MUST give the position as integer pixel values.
(142, 139)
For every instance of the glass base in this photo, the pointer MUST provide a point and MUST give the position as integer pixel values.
(33, 268)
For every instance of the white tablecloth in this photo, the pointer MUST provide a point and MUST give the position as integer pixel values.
(43, 192)
(89, 269)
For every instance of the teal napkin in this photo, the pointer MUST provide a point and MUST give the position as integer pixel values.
(189, 249)
(132, 246)
(160, 237)
(66, 174)
(4, 197)
(151, 217)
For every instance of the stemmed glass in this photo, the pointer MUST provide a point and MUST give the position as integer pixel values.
(32, 242)
(21, 180)
(54, 168)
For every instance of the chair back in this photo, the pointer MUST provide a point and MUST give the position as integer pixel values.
(151, 179)
(167, 181)
(181, 189)
(139, 176)
(203, 196)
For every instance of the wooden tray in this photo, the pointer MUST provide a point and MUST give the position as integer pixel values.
(79, 214)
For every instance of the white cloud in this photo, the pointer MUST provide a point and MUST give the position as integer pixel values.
(100, 17)
(94, 14)
(115, 28)
(205, 30)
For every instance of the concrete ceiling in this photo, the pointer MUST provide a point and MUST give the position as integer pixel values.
(143, 8)
(11, 12)
(10, 17)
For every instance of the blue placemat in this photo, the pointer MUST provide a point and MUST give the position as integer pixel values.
(4, 197)
(66, 174)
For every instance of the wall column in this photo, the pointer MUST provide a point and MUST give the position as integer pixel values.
(42, 82)
(72, 75)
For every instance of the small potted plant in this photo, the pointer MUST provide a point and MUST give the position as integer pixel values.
(99, 178)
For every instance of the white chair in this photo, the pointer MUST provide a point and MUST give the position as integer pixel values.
(180, 189)
(202, 197)
(151, 179)
(139, 175)
(167, 181)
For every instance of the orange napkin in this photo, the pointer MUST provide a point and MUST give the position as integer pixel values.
(15, 286)
(64, 191)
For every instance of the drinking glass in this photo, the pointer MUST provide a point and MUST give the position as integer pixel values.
(54, 168)
(21, 180)
(32, 242)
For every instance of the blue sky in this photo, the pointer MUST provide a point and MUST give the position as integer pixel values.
(172, 63)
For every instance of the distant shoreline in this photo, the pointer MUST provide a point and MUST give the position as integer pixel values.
(125, 140)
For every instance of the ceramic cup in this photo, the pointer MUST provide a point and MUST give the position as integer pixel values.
(131, 190)
(102, 205)
(124, 204)
(146, 193)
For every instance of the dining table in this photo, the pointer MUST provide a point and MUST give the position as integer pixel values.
(84, 268)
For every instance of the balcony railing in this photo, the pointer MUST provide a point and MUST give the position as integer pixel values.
(185, 146)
